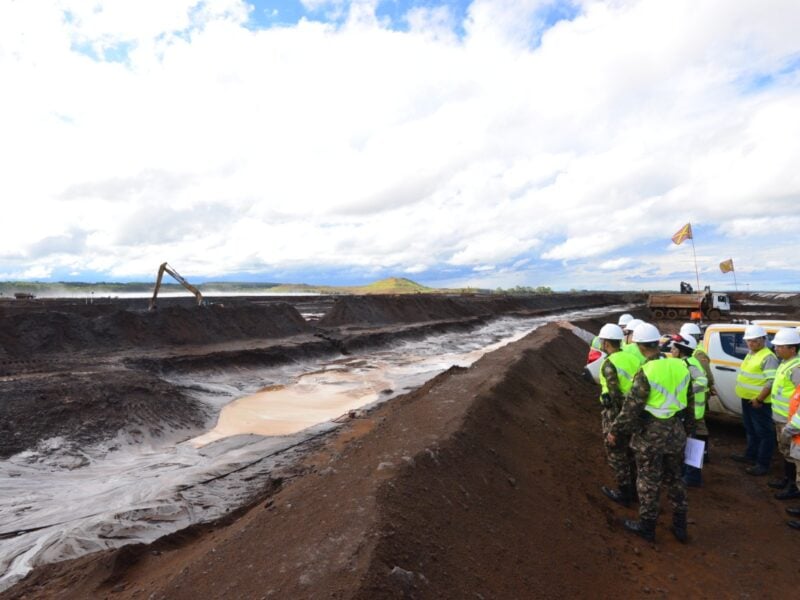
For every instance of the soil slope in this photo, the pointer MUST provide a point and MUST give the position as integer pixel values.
(386, 310)
(44, 332)
(482, 484)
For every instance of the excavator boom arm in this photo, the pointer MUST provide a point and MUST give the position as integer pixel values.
(179, 278)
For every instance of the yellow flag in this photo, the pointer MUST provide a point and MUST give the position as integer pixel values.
(726, 266)
(684, 233)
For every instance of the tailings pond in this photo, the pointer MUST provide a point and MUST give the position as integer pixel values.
(58, 503)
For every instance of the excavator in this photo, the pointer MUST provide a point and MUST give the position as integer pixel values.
(177, 276)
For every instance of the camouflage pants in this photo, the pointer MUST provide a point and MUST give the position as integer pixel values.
(619, 456)
(659, 451)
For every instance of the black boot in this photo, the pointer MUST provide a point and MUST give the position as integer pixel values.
(789, 471)
(679, 527)
(645, 528)
(790, 493)
(623, 496)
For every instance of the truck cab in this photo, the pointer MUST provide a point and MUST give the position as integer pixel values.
(724, 343)
(721, 302)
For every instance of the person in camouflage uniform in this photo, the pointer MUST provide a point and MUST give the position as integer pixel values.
(616, 377)
(657, 416)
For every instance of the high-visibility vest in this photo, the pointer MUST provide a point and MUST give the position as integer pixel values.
(783, 388)
(751, 379)
(596, 344)
(634, 350)
(626, 365)
(669, 381)
(794, 414)
(699, 386)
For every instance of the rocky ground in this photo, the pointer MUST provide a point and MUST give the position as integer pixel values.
(484, 483)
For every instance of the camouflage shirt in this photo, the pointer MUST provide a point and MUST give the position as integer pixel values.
(612, 381)
(705, 361)
(632, 417)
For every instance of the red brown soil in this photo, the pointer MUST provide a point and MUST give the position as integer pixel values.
(482, 484)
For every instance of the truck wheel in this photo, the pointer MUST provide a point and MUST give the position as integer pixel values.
(658, 313)
(714, 314)
(672, 314)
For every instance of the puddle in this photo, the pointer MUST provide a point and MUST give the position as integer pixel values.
(59, 503)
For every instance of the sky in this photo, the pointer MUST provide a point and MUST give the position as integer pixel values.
(491, 143)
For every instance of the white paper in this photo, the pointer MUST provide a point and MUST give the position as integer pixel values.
(694, 453)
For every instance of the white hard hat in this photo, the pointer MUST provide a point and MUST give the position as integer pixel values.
(645, 332)
(633, 323)
(753, 332)
(609, 331)
(624, 319)
(689, 329)
(686, 341)
(786, 337)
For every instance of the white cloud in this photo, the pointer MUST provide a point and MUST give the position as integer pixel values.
(613, 265)
(227, 149)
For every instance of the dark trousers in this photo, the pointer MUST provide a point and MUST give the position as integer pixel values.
(760, 432)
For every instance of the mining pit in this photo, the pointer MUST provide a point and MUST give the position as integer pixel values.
(345, 447)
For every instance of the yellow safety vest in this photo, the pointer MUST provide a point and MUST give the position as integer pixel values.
(626, 365)
(783, 388)
(751, 379)
(669, 382)
(633, 349)
(699, 386)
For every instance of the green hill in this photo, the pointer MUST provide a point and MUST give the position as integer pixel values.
(393, 285)
(390, 285)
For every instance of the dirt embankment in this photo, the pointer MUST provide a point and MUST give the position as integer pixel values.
(36, 333)
(86, 408)
(390, 310)
(482, 484)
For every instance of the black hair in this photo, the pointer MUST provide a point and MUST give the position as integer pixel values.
(650, 345)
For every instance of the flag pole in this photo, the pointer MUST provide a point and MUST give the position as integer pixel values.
(734, 278)
(696, 273)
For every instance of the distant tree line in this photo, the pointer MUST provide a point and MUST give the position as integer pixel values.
(522, 290)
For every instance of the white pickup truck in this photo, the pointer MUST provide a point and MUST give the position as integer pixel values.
(724, 343)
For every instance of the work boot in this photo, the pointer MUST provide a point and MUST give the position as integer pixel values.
(679, 527)
(794, 511)
(644, 528)
(793, 524)
(778, 484)
(623, 496)
(790, 493)
(743, 459)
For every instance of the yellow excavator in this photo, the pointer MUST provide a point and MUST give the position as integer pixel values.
(165, 268)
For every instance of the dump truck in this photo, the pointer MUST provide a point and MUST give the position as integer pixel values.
(708, 304)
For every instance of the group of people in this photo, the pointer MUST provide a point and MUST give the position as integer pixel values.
(653, 397)
(768, 384)
(650, 404)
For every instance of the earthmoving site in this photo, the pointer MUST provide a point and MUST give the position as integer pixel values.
(346, 447)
